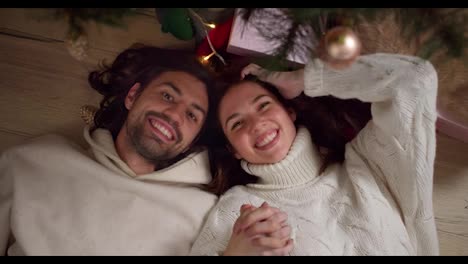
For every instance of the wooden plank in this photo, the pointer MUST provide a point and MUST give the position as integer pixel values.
(142, 27)
(34, 21)
(452, 245)
(43, 88)
(9, 139)
(451, 195)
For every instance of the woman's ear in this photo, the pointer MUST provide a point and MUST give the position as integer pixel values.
(131, 96)
(292, 114)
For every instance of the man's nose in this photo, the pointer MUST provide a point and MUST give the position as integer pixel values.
(176, 113)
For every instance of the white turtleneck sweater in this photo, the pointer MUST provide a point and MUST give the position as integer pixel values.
(379, 201)
(57, 199)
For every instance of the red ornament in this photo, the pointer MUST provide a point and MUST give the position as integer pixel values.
(219, 37)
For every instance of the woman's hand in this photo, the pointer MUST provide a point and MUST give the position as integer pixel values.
(290, 83)
(260, 231)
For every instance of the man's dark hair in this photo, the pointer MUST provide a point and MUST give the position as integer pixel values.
(142, 65)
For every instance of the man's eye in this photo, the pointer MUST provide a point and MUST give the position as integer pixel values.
(167, 97)
(192, 116)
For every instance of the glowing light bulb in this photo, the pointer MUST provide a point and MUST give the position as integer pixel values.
(206, 58)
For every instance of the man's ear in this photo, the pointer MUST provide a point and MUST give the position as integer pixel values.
(131, 96)
(292, 114)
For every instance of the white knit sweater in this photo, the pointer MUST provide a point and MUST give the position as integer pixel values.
(56, 199)
(379, 201)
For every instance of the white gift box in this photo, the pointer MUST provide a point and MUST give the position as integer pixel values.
(246, 40)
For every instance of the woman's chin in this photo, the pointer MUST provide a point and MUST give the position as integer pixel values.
(273, 155)
(277, 157)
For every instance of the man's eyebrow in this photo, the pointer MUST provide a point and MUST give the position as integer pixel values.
(199, 108)
(175, 88)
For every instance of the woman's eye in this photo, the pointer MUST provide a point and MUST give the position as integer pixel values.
(236, 125)
(167, 97)
(263, 105)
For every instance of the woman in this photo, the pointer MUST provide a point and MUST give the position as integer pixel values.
(378, 201)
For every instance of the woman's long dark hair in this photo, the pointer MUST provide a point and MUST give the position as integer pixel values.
(141, 65)
(332, 122)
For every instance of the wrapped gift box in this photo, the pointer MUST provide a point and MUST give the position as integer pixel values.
(246, 40)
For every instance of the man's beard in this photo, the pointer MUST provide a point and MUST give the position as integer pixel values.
(151, 147)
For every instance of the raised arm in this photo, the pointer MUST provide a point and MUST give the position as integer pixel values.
(398, 144)
(400, 88)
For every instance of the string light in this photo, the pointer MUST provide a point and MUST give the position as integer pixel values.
(210, 25)
(206, 58)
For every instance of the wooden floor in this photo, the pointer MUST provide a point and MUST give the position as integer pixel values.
(42, 89)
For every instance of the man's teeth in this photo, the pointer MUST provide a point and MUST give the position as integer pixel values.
(267, 139)
(162, 129)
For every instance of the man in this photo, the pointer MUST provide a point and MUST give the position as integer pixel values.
(137, 191)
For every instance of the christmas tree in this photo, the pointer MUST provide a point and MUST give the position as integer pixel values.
(333, 34)
(77, 17)
(329, 33)
(76, 40)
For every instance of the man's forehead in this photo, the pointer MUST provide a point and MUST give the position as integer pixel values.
(182, 80)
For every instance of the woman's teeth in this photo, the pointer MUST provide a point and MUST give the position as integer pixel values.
(267, 139)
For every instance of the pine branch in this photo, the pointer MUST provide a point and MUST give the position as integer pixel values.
(76, 17)
(449, 27)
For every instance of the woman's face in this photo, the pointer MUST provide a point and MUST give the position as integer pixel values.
(256, 124)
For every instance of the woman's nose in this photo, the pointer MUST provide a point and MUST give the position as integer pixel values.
(257, 123)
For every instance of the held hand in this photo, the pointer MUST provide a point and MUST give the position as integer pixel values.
(260, 231)
(289, 83)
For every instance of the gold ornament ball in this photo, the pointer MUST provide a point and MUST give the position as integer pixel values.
(342, 44)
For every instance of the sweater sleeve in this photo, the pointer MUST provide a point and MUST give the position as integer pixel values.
(216, 232)
(5, 205)
(398, 144)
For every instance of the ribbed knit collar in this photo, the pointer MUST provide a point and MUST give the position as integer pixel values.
(301, 165)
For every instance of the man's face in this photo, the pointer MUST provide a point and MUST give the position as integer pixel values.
(166, 116)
